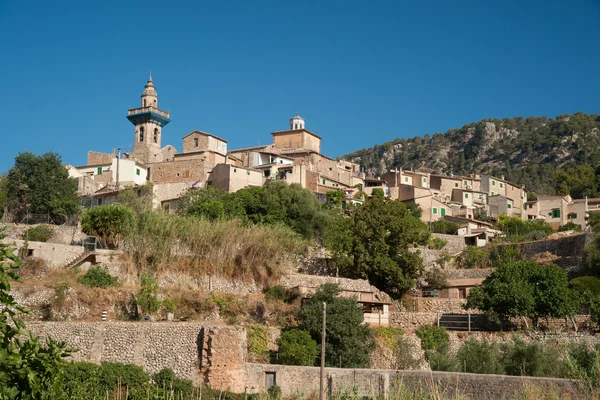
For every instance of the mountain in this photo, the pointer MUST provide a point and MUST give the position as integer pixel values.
(548, 156)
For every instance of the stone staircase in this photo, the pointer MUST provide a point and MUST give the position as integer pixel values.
(80, 259)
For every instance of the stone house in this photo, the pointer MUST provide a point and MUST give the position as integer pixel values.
(231, 178)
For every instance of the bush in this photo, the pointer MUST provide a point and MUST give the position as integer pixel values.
(480, 357)
(403, 355)
(147, 298)
(589, 284)
(297, 347)
(388, 335)
(127, 375)
(109, 223)
(433, 338)
(569, 226)
(436, 243)
(446, 227)
(98, 277)
(531, 359)
(229, 306)
(474, 257)
(40, 233)
(436, 279)
(258, 343)
(280, 293)
(167, 380)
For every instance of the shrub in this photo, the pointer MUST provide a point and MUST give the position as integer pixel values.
(433, 338)
(147, 298)
(98, 277)
(569, 226)
(109, 223)
(258, 342)
(584, 284)
(274, 392)
(126, 375)
(278, 292)
(436, 278)
(388, 335)
(403, 354)
(480, 357)
(297, 347)
(531, 359)
(166, 379)
(474, 257)
(436, 243)
(446, 227)
(40, 233)
(229, 306)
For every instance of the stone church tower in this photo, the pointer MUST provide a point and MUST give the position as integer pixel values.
(149, 121)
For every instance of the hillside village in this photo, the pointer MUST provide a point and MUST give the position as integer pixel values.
(214, 298)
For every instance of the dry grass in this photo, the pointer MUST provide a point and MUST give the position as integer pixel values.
(198, 247)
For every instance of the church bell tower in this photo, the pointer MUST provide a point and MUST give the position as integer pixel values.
(148, 121)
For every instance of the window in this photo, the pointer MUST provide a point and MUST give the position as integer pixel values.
(572, 216)
(235, 170)
(142, 134)
(155, 135)
(99, 170)
(195, 142)
(466, 183)
(144, 102)
(493, 183)
(443, 210)
(406, 179)
(187, 174)
(556, 213)
(448, 197)
(100, 201)
(435, 210)
(501, 185)
(137, 171)
(466, 195)
(323, 181)
(509, 205)
(456, 184)
(247, 172)
(480, 197)
(424, 180)
(493, 193)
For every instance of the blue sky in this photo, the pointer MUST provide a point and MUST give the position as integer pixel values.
(359, 72)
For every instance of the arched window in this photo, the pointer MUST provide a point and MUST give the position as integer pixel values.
(144, 102)
(155, 135)
(154, 102)
(142, 134)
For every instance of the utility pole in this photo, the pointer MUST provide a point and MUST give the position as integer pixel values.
(322, 385)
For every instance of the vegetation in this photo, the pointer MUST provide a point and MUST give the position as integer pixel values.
(436, 243)
(29, 369)
(474, 257)
(280, 293)
(446, 227)
(550, 156)
(40, 233)
(258, 343)
(436, 279)
(297, 347)
(569, 226)
(349, 341)
(98, 277)
(518, 230)
(524, 289)
(147, 298)
(40, 185)
(137, 198)
(109, 223)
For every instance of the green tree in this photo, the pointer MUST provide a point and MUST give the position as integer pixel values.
(382, 231)
(147, 298)
(3, 194)
(109, 223)
(137, 198)
(41, 185)
(349, 341)
(29, 369)
(297, 347)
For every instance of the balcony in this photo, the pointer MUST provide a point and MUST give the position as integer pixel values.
(148, 114)
(141, 110)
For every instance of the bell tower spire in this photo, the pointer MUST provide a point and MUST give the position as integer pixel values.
(148, 121)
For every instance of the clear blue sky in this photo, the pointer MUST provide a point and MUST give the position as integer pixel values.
(359, 72)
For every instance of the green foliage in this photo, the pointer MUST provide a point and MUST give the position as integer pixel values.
(433, 338)
(586, 284)
(548, 156)
(29, 369)
(98, 277)
(446, 227)
(278, 292)
(388, 335)
(436, 279)
(274, 392)
(376, 246)
(297, 347)
(3, 194)
(531, 359)
(404, 357)
(109, 223)
(518, 230)
(569, 226)
(228, 305)
(40, 233)
(524, 289)
(147, 298)
(258, 342)
(349, 341)
(137, 198)
(40, 185)
(436, 243)
(474, 257)
(480, 357)
(166, 379)
(336, 197)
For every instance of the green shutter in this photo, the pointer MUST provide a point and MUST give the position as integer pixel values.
(100, 201)
(456, 185)
(501, 185)
(406, 179)
(466, 195)
(137, 171)
(323, 181)
(493, 183)
(99, 170)
(443, 211)
(509, 206)
(435, 210)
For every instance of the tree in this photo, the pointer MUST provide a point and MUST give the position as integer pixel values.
(3, 194)
(109, 223)
(382, 231)
(41, 185)
(137, 198)
(524, 289)
(147, 298)
(297, 347)
(29, 369)
(349, 341)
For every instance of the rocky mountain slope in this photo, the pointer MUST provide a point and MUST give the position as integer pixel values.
(547, 155)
